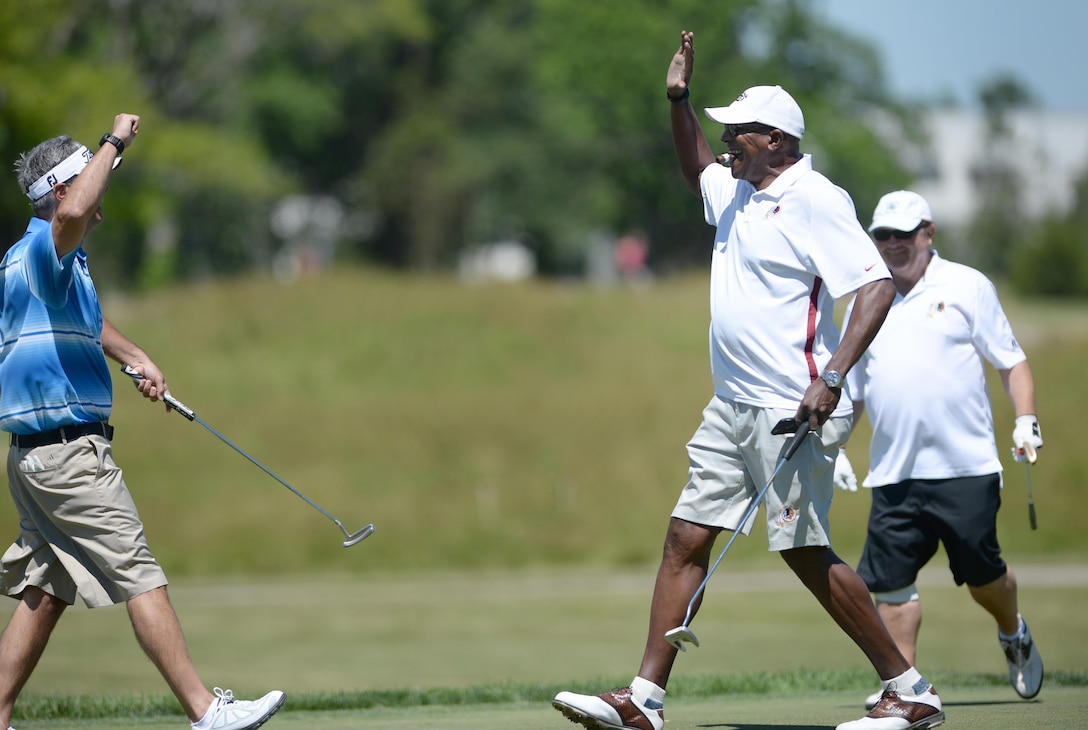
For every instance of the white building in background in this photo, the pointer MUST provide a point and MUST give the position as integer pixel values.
(1048, 148)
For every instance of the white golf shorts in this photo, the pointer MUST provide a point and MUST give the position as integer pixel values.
(733, 455)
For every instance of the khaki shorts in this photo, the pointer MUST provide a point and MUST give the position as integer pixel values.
(733, 454)
(79, 529)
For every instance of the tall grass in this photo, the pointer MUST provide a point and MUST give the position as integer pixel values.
(476, 426)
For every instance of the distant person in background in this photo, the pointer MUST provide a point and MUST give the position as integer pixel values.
(80, 533)
(631, 254)
(787, 244)
(932, 461)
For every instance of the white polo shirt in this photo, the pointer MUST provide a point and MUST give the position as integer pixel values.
(923, 378)
(782, 255)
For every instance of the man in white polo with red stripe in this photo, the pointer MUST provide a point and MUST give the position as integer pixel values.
(933, 465)
(787, 244)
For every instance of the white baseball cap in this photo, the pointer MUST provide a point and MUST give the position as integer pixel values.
(901, 210)
(769, 105)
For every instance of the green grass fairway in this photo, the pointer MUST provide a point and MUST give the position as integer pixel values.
(490, 648)
(974, 708)
(519, 449)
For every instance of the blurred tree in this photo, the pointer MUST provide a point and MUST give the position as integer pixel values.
(999, 225)
(1055, 260)
(73, 67)
(437, 124)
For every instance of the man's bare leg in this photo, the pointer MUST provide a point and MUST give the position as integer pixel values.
(999, 598)
(845, 597)
(683, 567)
(23, 643)
(159, 633)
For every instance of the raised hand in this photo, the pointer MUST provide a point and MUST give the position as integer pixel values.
(683, 63)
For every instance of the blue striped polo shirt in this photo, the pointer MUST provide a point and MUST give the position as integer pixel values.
(53, 372)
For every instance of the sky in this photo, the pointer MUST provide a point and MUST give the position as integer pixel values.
(935, 48)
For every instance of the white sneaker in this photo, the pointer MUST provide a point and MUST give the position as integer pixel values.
(901, 712)
(615, 710)
(1025, 664)
(871, 700)
(227, 713)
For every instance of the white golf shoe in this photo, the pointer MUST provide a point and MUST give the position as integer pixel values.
(901, 712)
(227, 713)
(615, 710)
(1025, 664)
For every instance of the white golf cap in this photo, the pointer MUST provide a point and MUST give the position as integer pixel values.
(769, 105)
(901, 210)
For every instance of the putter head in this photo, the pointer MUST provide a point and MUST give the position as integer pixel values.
(357, 537)
(679, 635)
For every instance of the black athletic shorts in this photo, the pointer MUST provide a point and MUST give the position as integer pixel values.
(909, 519)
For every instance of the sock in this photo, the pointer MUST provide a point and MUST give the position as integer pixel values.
(1019, 631)
(647, 694)
(910, 682)
(203, 722)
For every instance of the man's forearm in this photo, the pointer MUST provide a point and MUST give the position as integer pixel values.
(871, 306)
(118, 347)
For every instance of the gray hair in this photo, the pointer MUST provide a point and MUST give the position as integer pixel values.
(37, 162)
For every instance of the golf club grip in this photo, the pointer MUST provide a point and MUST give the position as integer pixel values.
(1031, 516)
(168, 399)
(802, 431)
(1029, 451)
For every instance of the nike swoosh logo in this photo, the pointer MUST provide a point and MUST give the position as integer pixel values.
(869, 267)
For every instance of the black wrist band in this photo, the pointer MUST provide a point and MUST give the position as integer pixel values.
(115, 141)
(677, 99)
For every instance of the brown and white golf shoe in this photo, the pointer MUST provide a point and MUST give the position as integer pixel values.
(615, 710)
(895, 711)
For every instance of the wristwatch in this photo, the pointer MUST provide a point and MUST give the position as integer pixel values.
(832, 379)
(115, 141)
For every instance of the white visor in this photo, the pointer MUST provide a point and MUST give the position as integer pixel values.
(68, 168)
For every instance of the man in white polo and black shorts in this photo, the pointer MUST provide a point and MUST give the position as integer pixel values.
(787, 244)
(932, 460)
(79, 531)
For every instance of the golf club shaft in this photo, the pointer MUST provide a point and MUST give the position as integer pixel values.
(802, 432)
(191, 415)
(1029, 450)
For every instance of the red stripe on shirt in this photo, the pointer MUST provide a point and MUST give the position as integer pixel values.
(810, 339)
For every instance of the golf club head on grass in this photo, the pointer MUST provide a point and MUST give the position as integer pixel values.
(678, 636)
(355, 538)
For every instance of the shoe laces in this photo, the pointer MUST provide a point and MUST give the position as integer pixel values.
(225, 696)
(1018, 650)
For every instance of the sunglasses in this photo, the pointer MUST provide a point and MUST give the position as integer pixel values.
(883, 234)
(736, 130)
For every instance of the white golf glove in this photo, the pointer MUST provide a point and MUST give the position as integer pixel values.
(1026, 431)
(845, 479)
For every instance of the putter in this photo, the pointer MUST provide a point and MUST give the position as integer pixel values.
(1032, 456)
(352, 538)
(683, 634)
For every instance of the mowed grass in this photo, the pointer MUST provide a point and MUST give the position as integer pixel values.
(483, 426)
(502, 438)
(441, 649)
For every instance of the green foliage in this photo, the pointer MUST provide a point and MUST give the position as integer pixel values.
(1055, 261)
(440, 124)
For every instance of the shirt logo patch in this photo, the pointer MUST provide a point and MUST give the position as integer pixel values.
(772, 213)
(936, 308)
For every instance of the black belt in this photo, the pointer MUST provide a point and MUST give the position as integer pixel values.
(61, 435)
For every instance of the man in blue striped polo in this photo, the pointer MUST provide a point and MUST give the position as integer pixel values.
(80, 533)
